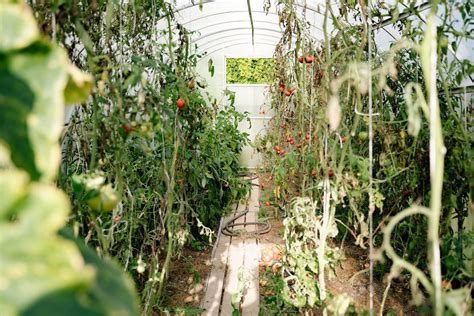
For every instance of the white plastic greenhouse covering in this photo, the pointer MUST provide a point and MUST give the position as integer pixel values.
(222, 29)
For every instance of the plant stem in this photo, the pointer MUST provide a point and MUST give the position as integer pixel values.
(436, 159)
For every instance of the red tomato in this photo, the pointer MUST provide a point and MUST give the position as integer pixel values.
(281, 88)
(282, 152)
(267, 203)
(287, 93)
(308, 136)
(309, 59)
(300, 60)
(314, 173)
(127, 128)
(330, 173)
(343, 139)
(289, 139)
(180, 103)
(277, 148)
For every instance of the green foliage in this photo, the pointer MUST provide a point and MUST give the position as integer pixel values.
(248, 70)
(333, 90)
(302, 237)
(36, 136)
(41, 272)
(176, 170)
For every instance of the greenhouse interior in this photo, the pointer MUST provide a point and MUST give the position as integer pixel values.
(236, 157)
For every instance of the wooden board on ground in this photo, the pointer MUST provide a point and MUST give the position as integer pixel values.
(235, 264)
(215, 283)
(250, 303)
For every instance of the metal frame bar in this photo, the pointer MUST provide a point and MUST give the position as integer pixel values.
(233, 29)
(201, 46)
(245, 21)
(236, 11)
(203, 49)
(238, 43)
(226, 22)
(236, 21)
(406, 14)
(226, 12)
(203, 2)
(460, 90)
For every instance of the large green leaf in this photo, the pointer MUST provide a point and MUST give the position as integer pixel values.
(111, 292)
(41, 273)
(17, 27)
(34, 260)
(35, 82)
(16, 102)
(44, 69)
(13, 186)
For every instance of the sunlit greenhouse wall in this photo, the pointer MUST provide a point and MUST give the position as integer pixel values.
(249, 98)
(236, 157)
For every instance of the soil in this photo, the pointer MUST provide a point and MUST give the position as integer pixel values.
(352, 278)
(185, 287)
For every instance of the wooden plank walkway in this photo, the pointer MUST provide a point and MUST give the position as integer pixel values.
(234, 274)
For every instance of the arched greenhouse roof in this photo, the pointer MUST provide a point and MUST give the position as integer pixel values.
(225, 24)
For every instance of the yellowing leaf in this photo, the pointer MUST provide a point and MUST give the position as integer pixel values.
(17, 27)
(78, 86)
(333, 113)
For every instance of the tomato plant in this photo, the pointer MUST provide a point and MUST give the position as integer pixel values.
(44, 272)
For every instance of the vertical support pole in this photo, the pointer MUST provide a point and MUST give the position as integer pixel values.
(371, 179)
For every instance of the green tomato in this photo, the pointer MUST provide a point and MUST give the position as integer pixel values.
(443, 41)
(363, 135)
(105, 201)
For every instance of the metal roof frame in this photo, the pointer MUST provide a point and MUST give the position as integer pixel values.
(234, 29)
(204, 2)
(246, 21)
(201, 46)
(237, 43)
(235, 40)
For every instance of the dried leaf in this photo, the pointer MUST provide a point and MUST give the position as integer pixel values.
(333, 113)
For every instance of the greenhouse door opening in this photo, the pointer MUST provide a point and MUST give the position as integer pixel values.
(248, 78)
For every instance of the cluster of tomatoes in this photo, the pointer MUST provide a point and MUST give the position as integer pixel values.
(306, 59)
(283, 90)
(128, 128)
(309, 59)
(290, 140)
(279, 151)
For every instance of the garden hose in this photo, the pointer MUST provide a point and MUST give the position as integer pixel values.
(229, 231)
(228, 228)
